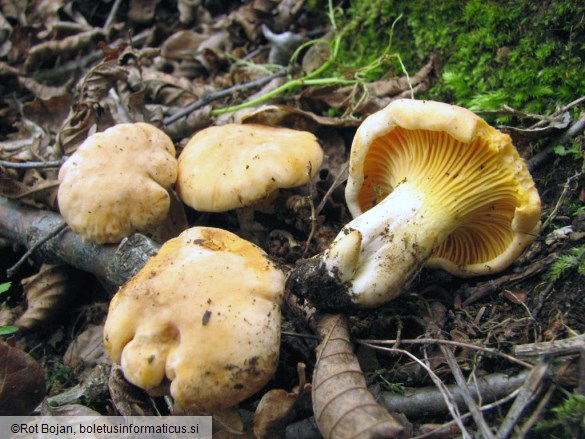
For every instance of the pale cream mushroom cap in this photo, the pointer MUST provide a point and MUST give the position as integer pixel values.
(203, 313)
(231, 166)
(118, 182)
(460, 163)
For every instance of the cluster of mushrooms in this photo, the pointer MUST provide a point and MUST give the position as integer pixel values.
(430, 184)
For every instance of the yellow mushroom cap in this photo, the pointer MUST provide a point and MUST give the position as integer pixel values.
(117, 182)
(469, 169)
(204, 313)
(230, 166)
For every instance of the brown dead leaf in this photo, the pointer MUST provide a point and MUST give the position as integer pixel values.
(365, 99)
(182, 45)
(191, 11)
(52, 49)
(39, 192)
(22, 382)
(291, 117)
(47, 295)
(49, 113)
(287, 12)
(18, 146)
(88, 114)
(86, 351)
(142, 11)
(128, 399)
(276, 409)
(343, 405)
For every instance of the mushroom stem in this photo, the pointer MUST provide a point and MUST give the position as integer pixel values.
(397, 237)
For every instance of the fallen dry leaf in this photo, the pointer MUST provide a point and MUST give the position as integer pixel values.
(343, 405)
(276, 409)
(22, 382)
(47, 295)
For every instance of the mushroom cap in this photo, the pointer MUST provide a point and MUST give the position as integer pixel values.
(205, 313)
(469, 168)
(230, 166)
(118, 182)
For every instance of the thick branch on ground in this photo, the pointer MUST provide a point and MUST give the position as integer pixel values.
(567, 346)
(429, 401)
(343, 406)
(115, 263)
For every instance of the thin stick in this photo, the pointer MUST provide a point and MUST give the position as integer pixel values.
(528, 392)
(483, 408)
(313, 212)
(574, 130)
(537, 411)
(473, 407)
(341, 177)
(447, 396)
(561, 200)
(453, 343)
(12, 270)
(32, 165)
(112, 14)
(210, 97)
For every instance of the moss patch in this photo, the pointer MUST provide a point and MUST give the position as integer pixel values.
(528, 55)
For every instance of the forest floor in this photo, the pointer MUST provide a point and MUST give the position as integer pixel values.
(70, 69)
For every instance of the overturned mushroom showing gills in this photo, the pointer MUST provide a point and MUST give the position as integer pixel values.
(237, 166)
(430, 184)
(204, 314)
(119, 182)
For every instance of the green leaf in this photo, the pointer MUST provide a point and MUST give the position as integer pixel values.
(5, 287)
(7, 330)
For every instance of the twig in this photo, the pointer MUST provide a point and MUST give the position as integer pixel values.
(445, 391)
(313, 212)
(527, 394)
(33, 165)
(12, 270)
(483, 408)
(560, 201)
(473, 407)
(573, 131)
(114, 263)
(112, 14)
(210, 97)
(570, 105)
(339, 179)
(567, 346)
(492, 286)
(453, 343)
(429, 401)
(537, 411)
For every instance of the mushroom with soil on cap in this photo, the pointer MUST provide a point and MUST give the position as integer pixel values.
(430, 184)
(204, 315)
(238, 166)
(119, 182)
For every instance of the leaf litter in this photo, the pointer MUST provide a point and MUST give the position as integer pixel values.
(80, 70)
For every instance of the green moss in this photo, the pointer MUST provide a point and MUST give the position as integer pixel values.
(528, 55)
(567, 418)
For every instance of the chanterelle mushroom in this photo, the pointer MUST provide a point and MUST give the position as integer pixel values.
(118, 182)
(204, 313)
(430, 183)
(235, 166)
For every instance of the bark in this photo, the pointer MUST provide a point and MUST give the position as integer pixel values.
(115, 263)
(429, 401)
